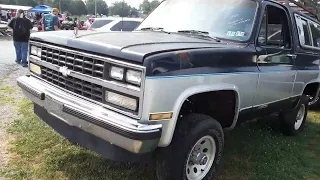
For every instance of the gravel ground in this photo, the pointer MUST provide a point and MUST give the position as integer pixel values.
(9, 72)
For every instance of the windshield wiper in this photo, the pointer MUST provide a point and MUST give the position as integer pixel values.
(199, 33)
(160, 29)
(152, 28)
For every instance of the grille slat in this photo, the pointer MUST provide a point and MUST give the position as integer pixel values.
(77, 63)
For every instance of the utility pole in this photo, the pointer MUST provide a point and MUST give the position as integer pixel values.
(122, 15)
(95, 8)
(60, 6)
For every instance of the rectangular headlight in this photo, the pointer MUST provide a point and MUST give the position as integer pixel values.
(39, 52)
(133, 77)
(36, 51)
(120, 100)
(117, 73)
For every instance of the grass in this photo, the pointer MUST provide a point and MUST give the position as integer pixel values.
(39, 153)
(7, 90)
(254, 151)
(258, 151)
(5, 94)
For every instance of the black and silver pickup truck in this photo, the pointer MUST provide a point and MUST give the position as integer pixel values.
(165, 93)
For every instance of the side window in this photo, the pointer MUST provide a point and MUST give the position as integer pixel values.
(303, 31)
(129, 25)
(263, 30)
(125, 26)
(315, 31)
(117, 27)
(274, 29)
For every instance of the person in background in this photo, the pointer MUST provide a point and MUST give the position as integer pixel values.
(88, 22)
(21, 33)
(12, 14)
(75, 22)
(50, 22)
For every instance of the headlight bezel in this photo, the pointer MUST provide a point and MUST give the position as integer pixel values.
(126, 72)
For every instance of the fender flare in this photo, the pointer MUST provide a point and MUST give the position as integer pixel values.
(197, 90)
(310, 82)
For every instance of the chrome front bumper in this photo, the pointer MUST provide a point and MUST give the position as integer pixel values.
(113, 127)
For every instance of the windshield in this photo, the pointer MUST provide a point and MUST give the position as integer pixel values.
(99, 23)
(228, 19)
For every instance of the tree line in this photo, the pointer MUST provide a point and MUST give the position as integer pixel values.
(79, 7)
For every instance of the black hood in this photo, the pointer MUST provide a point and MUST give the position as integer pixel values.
(133, 46)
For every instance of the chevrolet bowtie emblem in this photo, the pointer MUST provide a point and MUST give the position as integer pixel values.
(64, 71)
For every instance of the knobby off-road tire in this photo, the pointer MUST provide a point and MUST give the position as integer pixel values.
(198, 142)
(293, 122)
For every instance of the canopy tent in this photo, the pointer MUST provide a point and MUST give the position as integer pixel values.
(14, 7)
(42, 9)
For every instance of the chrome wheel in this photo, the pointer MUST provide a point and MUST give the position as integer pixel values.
(201, 158)
(300, 117)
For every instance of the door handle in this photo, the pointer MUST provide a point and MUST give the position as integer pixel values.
(292, 55)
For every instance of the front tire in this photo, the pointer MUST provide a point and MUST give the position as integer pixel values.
(293, 122)
(195, 152)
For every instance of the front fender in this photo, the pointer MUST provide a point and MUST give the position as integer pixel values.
(169, 126)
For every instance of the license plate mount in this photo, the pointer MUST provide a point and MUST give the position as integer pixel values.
(54, 106)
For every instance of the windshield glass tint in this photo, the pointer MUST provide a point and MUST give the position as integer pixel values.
(99, 23)
(229, 19)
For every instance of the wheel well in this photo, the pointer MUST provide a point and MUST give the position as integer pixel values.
(217, 104)
(311, 89)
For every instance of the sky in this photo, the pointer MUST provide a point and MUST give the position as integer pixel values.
(133, 3)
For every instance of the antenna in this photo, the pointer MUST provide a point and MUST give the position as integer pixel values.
(122, 14)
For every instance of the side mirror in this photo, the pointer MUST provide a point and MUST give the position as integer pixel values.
(261, 40)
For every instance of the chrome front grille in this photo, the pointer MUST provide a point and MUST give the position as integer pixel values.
(78, 63)
(81, 87)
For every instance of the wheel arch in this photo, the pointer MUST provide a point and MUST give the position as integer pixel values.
(197, 90)
(311, 83)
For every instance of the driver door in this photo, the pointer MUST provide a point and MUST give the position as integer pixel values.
(275, 60)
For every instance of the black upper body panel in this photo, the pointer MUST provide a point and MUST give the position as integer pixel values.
(203, 61)
(130, 46)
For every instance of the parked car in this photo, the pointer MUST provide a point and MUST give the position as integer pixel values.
(166, 92)
(67, 25)
(100, 22)
(3, 24)
(125, 24)
(3, 29)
